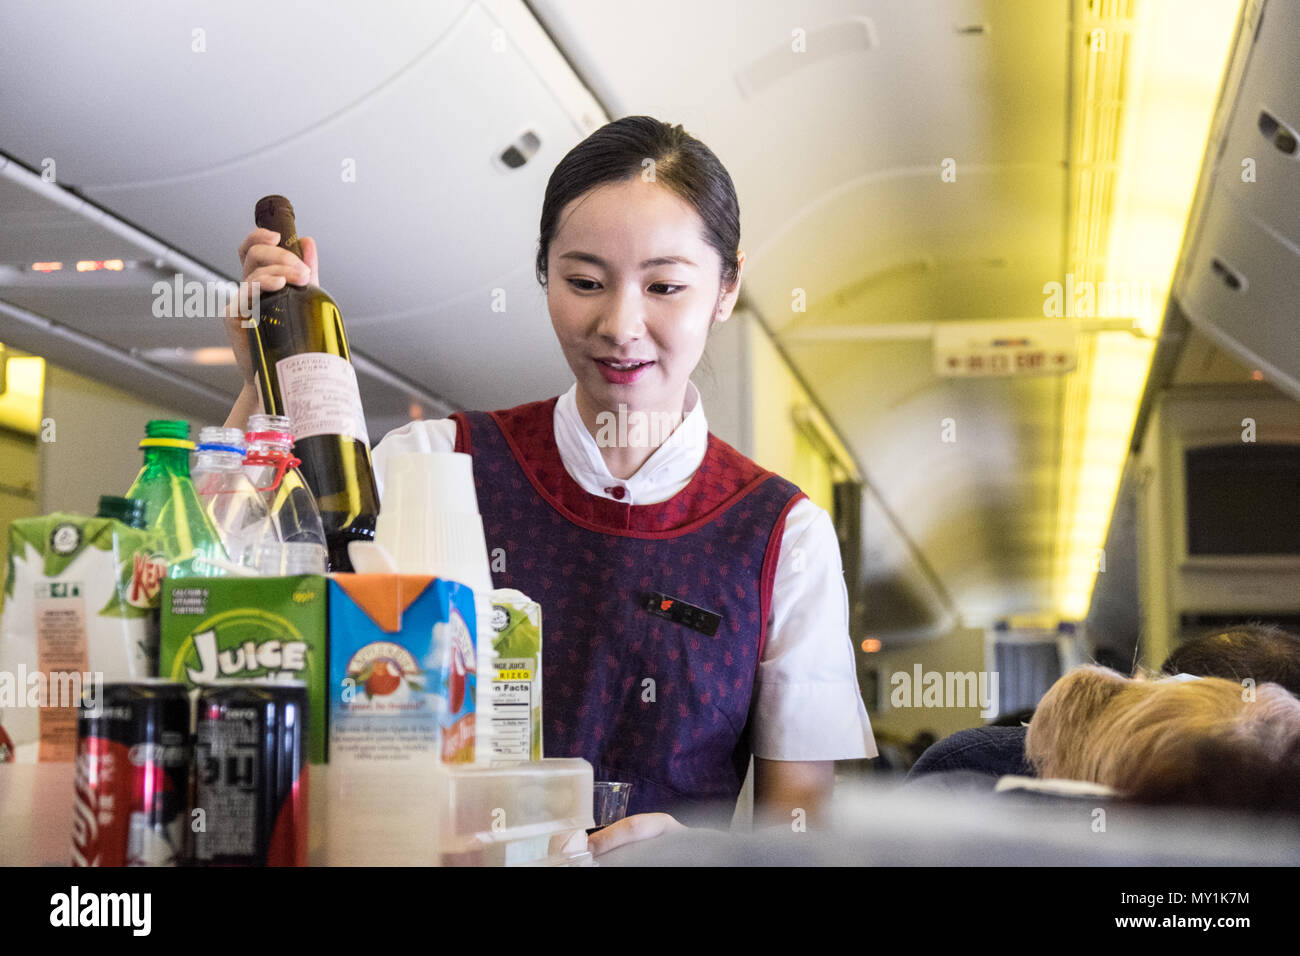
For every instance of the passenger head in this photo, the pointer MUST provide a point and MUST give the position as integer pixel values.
(1059, 742)
(1206, 742)
(1262, 652)
(1113, 658)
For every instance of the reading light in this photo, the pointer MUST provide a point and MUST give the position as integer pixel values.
(209, 355)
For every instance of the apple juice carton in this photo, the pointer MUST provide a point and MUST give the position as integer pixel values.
(80, 609)
(515, 681)
(251, 628)
(402, 669)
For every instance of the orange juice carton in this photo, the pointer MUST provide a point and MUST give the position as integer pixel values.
(403, 678)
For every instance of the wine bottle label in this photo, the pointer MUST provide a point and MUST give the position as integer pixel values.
(320, 396)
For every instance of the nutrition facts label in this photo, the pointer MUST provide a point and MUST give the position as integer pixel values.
(383, 738)
(228, 787)
(512, 709)
(320, 396)
(62, 658)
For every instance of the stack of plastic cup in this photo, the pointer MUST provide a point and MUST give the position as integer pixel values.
(430, 524)
(430, 521)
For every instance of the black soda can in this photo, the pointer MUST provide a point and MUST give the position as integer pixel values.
(250, 786)
(132, 775)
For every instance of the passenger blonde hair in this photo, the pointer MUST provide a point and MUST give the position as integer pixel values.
(1210, 742)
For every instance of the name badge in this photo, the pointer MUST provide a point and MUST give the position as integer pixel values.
(680, 612)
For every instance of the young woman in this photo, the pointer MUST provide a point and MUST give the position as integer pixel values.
(613, 529)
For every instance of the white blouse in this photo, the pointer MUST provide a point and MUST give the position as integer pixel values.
(807, 704)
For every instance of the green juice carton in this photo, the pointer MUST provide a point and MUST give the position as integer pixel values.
(265, 628)
(512, 692)
(80, 609)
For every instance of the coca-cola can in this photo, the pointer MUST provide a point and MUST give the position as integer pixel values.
(250, 780)
(132, 775)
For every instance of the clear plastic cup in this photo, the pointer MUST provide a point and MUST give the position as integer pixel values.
(609, 803)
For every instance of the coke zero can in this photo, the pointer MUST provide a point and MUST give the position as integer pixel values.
(250, 795)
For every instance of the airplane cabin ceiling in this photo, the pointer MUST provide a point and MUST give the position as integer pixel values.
(361, 103)
(837, 160)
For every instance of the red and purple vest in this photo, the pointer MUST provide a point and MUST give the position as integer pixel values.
(643, 699)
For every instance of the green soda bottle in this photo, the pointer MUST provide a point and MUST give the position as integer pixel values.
(172, 505)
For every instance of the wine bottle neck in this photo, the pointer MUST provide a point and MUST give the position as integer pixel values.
(275, 213)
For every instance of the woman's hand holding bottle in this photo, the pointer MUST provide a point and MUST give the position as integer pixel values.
(266, 268)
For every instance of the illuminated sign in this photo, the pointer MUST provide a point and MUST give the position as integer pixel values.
(1004, 347)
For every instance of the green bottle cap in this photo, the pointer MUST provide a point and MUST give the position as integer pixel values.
(164, 433)
(129, 511)
(167, 428)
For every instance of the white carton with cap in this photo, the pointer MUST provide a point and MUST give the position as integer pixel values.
(430, 524)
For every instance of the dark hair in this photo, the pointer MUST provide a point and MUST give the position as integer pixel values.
(617, 152)
(1262, 652)
(1224, 770)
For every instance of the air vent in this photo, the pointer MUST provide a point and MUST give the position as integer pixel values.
(1277, 133)
(1229, 276)
(850, 35)
(520, 151)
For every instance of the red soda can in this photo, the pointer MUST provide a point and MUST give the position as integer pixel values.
(250, 792)
(132, 775)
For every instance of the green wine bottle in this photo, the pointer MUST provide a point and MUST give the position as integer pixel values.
(171, 503)
(304, 371)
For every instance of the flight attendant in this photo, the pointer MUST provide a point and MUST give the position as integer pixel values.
(693, 604)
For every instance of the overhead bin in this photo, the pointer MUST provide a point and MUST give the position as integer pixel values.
(1243, 290)
(1263, 127)
(1240, 284)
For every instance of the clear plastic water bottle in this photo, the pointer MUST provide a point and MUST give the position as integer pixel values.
(229, 497)
(299, 546)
